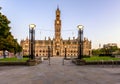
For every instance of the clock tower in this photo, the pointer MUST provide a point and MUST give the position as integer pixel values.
(57, 33)
(57, 25)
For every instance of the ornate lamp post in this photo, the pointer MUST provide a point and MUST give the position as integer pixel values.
(79, 60)
(48, 52)
(0, 8)
(32, 41)
(65, 52)
(80, 41)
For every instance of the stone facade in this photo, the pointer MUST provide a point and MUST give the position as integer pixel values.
(57, 45)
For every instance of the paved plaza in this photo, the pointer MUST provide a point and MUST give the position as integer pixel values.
(57, 73)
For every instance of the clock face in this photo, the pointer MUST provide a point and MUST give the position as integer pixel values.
(57, 22)
(57, 13)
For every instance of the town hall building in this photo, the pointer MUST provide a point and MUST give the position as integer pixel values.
(57, 45)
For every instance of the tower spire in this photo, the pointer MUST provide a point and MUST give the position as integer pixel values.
(57, 7)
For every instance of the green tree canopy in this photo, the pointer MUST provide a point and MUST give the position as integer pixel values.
(7, 41)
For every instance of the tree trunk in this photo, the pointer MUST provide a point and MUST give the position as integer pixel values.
(4, 54)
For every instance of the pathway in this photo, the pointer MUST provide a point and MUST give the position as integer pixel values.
(57, 73)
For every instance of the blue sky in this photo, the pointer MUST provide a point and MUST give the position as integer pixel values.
(100, 18)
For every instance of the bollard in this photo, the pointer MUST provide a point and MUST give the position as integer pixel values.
(112, 63)
(116, 63)
(49, 60)
(102, 62)
(63, 61)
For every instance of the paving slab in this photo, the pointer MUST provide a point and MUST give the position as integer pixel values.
(57, 73)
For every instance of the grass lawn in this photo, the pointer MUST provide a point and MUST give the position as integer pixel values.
(97, 58)
(13, 60)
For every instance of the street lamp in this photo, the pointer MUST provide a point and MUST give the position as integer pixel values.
(65, 52)
(49, 52)
(80, 41)
(0, 8)
(32, 41)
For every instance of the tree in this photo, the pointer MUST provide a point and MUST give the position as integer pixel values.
(7, 41)
(96, 52)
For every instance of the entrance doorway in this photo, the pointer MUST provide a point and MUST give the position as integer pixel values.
(58, 53)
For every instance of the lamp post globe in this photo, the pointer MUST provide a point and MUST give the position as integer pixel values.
(80, 27)
(32, 26)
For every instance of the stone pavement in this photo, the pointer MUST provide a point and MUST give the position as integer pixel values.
(56, 73)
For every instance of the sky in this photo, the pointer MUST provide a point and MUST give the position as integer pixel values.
(100, 18)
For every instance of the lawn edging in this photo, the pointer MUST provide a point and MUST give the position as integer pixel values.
(102, 62)
(12, 63)
(19, 62)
